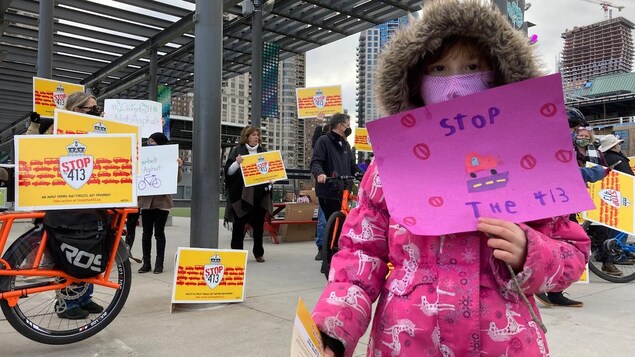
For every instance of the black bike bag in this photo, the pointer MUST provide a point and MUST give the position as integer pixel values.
(80, 240)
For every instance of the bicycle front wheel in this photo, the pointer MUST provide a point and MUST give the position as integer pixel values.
(625, 270)
(330, 246)
(36, 316)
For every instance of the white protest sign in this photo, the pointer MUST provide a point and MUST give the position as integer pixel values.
(144, 113)
(159, 170)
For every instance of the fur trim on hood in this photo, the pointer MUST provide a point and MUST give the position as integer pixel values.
(510, 49)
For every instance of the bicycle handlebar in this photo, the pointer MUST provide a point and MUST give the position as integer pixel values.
(356, 177)
(343, 178)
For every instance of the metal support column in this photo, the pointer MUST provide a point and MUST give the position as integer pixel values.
(45, 39)
(256, 64)
(152, 81)
(206, 165)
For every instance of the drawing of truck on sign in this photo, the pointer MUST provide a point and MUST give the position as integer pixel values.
(483, 173)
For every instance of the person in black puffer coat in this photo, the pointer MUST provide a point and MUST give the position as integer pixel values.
(321, 223)
(332, 156)
(610, 146)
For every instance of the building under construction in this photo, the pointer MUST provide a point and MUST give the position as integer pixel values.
(598, 49)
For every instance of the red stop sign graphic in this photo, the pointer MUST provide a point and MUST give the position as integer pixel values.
(564, 155)
(436, 201)
(409, 221)
(548, 110)
(421, 151)
(528, 162)
(408, 121)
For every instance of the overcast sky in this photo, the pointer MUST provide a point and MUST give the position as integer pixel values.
(335, 63)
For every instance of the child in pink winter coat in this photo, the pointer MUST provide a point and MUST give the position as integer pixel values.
(450, 295)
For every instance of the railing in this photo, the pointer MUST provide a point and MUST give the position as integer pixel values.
(611, 121)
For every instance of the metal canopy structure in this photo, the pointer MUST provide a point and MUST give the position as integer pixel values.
(106, 45)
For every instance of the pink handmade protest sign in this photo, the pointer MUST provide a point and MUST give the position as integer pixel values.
(503, 153)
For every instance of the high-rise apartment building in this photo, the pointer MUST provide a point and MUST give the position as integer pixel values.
(236, 100)
(370, 43)
(594, 50)
(183, 105)
(286, 133)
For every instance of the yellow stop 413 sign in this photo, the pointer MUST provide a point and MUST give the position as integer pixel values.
(263, 167)
(75, 171)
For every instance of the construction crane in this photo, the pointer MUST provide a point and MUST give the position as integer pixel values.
(606, 6)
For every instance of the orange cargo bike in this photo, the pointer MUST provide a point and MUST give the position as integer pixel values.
(33, 288)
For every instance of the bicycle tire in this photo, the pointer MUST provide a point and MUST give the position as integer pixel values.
(142, 185)
(34, 316)
(332, 231)
(595, 266)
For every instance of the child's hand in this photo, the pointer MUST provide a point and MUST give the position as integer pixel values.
(507, 239)
(328, 352)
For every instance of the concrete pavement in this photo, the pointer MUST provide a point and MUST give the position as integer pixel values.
(262, 325)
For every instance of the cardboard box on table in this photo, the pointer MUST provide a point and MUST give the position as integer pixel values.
(310, 194)
(298, 232)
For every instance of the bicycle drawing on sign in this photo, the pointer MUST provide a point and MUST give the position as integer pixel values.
(149, 180)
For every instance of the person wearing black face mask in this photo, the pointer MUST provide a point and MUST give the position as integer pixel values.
(332, 156)
(79, 102)
(583, 139)
(94, 110)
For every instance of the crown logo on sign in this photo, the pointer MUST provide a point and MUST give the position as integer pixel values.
(76, 148)
(318, 92)
(100, 128)
(215, 260)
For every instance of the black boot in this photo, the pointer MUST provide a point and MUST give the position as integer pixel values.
(146, 246)
(129, 241)
(158, 265)
(146, 267)
(131, 227)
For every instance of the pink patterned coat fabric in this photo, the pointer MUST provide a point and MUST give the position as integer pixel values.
(447, 295)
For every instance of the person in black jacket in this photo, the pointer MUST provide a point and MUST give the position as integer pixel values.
(246, 204)
(321, 222)
(610, 146)
(332, 157)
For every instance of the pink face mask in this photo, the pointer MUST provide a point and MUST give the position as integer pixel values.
(437, 89)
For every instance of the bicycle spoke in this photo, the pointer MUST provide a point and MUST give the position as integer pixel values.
(36, 315)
